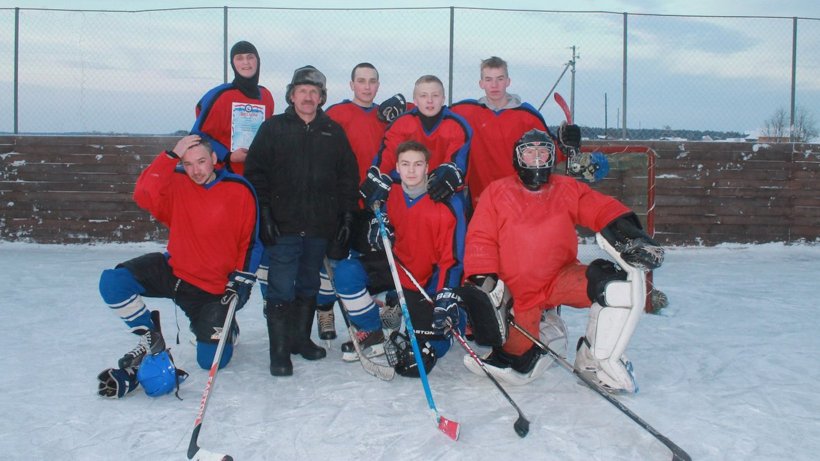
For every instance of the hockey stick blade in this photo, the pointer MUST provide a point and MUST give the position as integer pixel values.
(194, 451)
(205, 455)
(564, 107)
(449, 427)
(678, 454)
(522, 425)
(383, 372)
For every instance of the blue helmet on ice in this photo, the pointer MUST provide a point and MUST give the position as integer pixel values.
(158, 375)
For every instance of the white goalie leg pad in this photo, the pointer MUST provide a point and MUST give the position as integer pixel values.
(610, 328)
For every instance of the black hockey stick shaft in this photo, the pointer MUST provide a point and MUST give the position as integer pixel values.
(193, 448)
(521, 425)
(678, 454)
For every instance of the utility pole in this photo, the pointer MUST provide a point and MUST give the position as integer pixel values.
(606, 124)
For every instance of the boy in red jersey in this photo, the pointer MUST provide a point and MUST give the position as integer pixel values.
(231, 113)
(428, 243)
(445, 134)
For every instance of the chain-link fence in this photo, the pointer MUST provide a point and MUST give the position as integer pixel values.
(142, 72)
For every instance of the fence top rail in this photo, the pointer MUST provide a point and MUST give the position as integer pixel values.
(526, 10)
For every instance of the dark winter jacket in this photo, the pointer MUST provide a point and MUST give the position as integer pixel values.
(305, 173)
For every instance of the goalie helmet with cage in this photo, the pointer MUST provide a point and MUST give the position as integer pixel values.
(533, 157)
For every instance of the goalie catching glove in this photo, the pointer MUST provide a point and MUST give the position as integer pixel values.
(635, 246)
(444, 181)
(391, 108)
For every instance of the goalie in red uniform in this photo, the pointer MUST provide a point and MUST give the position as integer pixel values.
(522, 241)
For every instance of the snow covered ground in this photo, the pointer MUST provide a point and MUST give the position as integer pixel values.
(729, 371)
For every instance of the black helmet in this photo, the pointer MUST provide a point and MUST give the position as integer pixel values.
(535, 166)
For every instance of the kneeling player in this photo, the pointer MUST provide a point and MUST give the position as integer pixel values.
(211, 257)
(522, 239)
(428, 246)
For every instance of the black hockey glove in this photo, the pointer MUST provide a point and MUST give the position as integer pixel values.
(116, 383)
(444, 181)
(445, 310)
(240, 285)
(376, 187)
(374, 236)
(635, 246)
(339, 247)
(569, 135)
(392, 108)
(268, 231)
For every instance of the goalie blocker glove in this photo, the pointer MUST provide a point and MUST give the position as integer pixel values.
(444, 181)
(391, 108)
(635, 246)
(376, 187)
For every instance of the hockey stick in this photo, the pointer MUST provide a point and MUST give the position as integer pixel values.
(564, 107)
(194, 450)
(678, 454)
(383, 372)
(450, 428)
(521, 425)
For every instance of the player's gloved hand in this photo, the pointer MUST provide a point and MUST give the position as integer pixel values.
(588, 166)
(240, 285)
(339, 247)
(392, 108)
(445, 310)
(635, 246)
(569, 135)
(268, 230)
(444, 181)
(116, 383)
(376, 187)
(374, 236)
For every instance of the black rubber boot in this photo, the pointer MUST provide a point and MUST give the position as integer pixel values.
(278, 334)
(301, 325)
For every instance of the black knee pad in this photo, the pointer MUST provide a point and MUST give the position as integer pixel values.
(207, 321)
(599, 273)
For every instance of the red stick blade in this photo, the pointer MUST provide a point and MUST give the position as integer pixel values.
(564, 107)
(450, 428)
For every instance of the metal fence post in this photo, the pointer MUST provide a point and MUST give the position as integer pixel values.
(452, 37)
(623, 84)
(16, 66)
(794, 78)
(224, 44)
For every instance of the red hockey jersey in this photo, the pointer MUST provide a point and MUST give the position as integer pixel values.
(212, 228)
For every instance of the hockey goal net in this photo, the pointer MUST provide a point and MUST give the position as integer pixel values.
(631, 179)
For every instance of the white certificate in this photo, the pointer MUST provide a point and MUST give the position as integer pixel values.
(245, 122)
